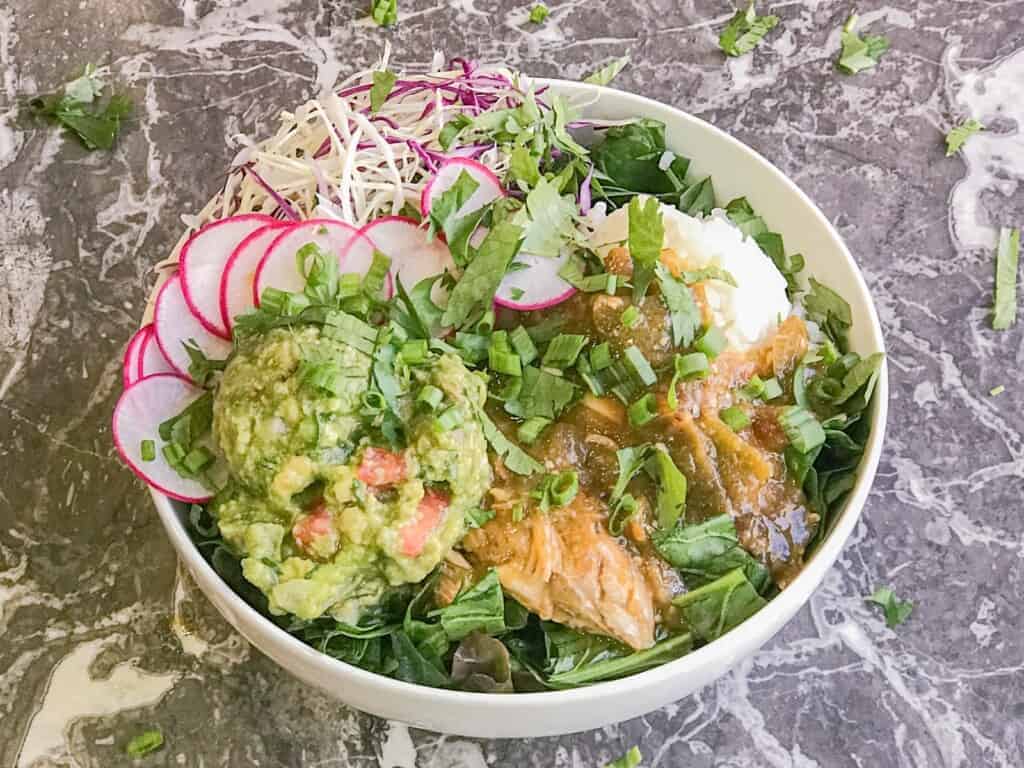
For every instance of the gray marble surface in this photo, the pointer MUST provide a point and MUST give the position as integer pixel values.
(101, 636)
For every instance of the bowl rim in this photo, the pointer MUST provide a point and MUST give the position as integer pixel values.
(774, 615)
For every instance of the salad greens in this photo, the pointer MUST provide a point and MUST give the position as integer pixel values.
(539, 13)
(744, 31)
(607, 73)
(860, 53)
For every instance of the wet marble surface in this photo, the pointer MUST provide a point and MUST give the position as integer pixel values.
(92, 608)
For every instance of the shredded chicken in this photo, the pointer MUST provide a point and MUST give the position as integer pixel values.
(565, 566)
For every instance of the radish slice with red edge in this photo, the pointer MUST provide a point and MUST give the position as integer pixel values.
(236, 284)
(132, 352)
(151, 359)
(139, 412)
(489, 186)
(175, 324)
(278, 269)
(536, 285)
(202, 262)
(402, 240)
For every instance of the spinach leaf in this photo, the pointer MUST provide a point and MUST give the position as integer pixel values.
(617, 662)
(481, 608)
(715, 608)
(482, 663)
(705, 551)
(479, 282)
(628, 161)
(698, 199)
(413, 666)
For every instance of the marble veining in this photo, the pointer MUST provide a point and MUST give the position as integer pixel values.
(102, 636)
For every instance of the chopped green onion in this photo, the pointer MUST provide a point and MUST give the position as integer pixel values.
(414, 352)
(772, 389)
(711, 343)
(564, 487)
(174, 453)
(601, 356)
(449, 418)
(349, 284)
(643, 410)
(196, 460)
(753, 389)
(523, 345)
(630, 316)
(148, 450)
(430, 397)
(639, 367)
(695, 365)
(563, 350)
(622, 510)
(477, 517)
(1004, 311)
(500, 356)
(472, 346)
(486, 323)
(735, 418)
(994, 391)
(802, 428)
(530, 429)
(374, 401)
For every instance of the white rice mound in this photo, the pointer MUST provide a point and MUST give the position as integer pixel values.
(748, 313)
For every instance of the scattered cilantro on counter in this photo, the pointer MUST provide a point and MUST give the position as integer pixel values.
(383, 82)
(78, 109)
(957, 136)
(1004, 309)
(629, 760)
(896, 611)
(539, 13)
(607, 73)
(998, 390)
(859, 53)
(384, 12)
(744, 31)
(144, 743)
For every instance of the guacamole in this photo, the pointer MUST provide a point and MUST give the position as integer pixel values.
(324, 513)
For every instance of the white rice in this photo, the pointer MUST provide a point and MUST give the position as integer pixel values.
(748, 313)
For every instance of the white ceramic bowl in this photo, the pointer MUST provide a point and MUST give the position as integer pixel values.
(736, 170)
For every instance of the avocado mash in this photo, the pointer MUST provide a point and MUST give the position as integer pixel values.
(324, 518)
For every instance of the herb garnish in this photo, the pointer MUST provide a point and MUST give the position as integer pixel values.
(384, 12)
(1004, 309)
(957, 136)
(539, 13)
(859, 54)
(383, 82)
(629, 760)
(77, 108)
(896, 611)
(607, 73)
(145, 743)
(744, 31)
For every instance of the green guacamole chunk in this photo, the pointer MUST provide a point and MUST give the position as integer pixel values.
(324, 516)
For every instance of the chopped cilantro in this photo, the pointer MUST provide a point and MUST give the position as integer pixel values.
(523, 167)
(956, 137)
(144, 743)
(998, 390)
(682, 309)
(859, 53)
(539, 13)
(607, 73)
(646, 234)
(444, 216)
(896, 611)
(384, 12)
(78, 110)
(1004, 310)
(744, 31)
(383, 82)
(546, 220)
(479, 282)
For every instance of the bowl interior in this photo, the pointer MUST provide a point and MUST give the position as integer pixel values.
(736, 171)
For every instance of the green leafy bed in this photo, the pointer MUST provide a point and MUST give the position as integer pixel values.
(484, 640)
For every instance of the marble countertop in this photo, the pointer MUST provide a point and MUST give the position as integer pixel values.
(93, 609)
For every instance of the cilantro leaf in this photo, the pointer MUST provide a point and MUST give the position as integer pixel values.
(607, 73)
(546, 220)
(479, 282)
(76, 108)
(444, 216)
(516, 459)
(1004, 310)
(85, 89)
(563, 113)
(859, 54)
(451, 130)
(955, 138)
(629, 760)
(144, 743)
(682, 309)
(896, 611)
(383, 82)
(542, 394)
(742, 214)
(384, 12)
(539, 13)
(646, 235)
(744, 31)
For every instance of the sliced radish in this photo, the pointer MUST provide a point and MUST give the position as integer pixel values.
(402, 240)
(139, 412)
(151, 359)
(175, 324)
(278, 269)
(236, 283)
(130, 364)
(536, 285)
(202, 262)
(489, 186)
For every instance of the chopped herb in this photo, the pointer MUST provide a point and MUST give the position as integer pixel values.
(530, 430)
(479, 282)
(772, 389)
(744, 31)
(711, 343)
(601, 356)
(956, 137)
(896, 611)
(715, 608)
(516, 459)
(383, 82)
(430, 397)
(998, 390)
(671, 496)
(547, 220)
(684, 313)
(629, 760)
(860, 54)
(523, 344)
(630, 316)
(830, 311)
(734, 417)
(145, 743)
(709, 273)
(77, 109)
(450, 418)
(542, 394)
(646, 234)
(477, 517)
(556, 490)
(631, 460)
(523, 167)
(563, 350)
(607, 73)
(699, 199)
(1004, 310)
(643, 410)
(539, 13)
(638, 366)
(451, 130)
(444, 216)
(147, 449)
(742, 215)
(384, 12)
(686, 367)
